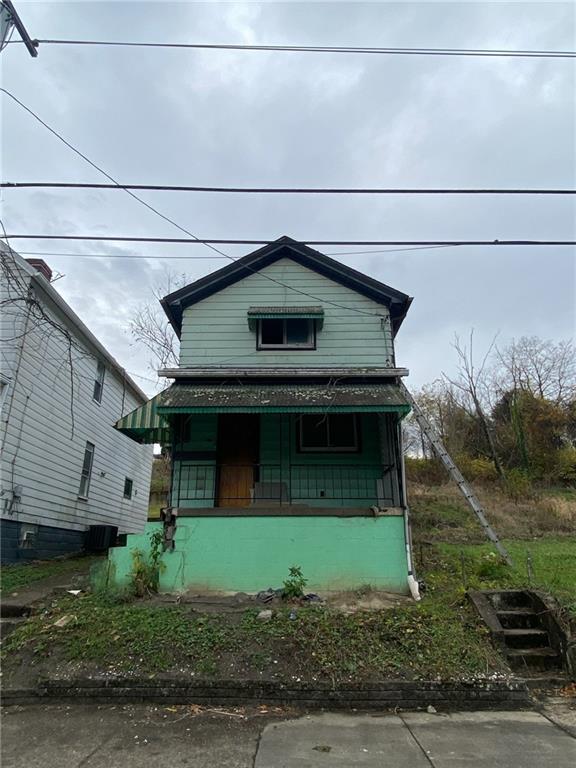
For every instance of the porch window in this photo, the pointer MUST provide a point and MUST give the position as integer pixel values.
(86, 471)
(99, 382)
(289, 333)
(128, 485)
(336, 432)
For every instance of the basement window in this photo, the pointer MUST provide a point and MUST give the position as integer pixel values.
(331, 433)
(291, 333)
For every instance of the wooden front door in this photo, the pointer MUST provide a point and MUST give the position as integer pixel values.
(238, 442)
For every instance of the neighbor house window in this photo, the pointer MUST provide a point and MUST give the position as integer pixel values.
(337, 432)
(86, 471)
(128, 484)
(99, 382)
(292, 333)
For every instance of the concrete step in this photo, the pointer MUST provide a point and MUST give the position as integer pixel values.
(534, 658)
(526, 638)
(518, 618)
(509, 599)
(7, 626)
(11, 607)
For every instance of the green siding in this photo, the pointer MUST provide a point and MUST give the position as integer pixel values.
(215, 331)
(252, 553)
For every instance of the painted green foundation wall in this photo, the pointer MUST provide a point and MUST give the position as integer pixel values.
(247, 554)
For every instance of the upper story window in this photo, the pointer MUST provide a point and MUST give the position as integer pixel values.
(99, 382)
(289, 333)
(128, 486)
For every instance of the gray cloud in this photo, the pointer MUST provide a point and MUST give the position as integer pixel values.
(284, 119)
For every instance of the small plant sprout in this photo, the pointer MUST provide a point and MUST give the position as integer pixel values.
(294, 584)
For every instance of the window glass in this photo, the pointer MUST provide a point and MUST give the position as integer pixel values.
(99, 382)
(314, 431)
(86, 470)
(272, 331)
(128, 488)
(342, 430)
(332, 432)
(298, 331)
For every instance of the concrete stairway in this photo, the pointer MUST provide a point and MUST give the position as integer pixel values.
(522, 627)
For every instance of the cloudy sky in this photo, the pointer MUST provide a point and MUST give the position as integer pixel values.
(282, 119)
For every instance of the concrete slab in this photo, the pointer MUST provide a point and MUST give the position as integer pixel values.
(334, 740)
(126, 737)
(497, 739)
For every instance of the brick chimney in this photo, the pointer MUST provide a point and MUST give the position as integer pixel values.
(41, 266)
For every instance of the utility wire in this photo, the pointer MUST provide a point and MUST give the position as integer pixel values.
(289, 190)
(167, 257)
(376, 50)
(154, 210)
(232, 241)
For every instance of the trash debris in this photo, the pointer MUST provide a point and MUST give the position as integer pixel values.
(431, 710)
(312, 597)
(266, 595)
(292, 615)
(64, 621)
(322, 748)
(265, 615)
(74, 592)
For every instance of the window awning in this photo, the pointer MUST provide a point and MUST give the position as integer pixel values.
(144, 424)
(283, 313)
(293, 398)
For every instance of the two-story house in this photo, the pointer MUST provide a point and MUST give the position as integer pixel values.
(284, 425)
(63, 466)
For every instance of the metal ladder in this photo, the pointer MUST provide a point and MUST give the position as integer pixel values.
(436, 443)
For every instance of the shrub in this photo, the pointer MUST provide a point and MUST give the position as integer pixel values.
(425, 471)
(517, 484)
(294, 584)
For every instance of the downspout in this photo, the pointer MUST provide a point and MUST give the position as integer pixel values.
(412, 582)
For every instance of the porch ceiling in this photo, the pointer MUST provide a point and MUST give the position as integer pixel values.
(294, 398)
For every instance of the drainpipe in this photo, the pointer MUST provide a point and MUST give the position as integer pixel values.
(412, 582)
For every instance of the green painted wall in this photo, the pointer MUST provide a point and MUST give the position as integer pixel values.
(252, 553)
(215, 331)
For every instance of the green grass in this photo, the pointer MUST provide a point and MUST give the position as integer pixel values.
(20, 576)
(549, 564)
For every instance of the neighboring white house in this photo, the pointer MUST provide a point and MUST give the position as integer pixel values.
(63, 465)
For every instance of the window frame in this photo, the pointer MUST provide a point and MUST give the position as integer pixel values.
(130, 493)
(357, 448)
(86, 474)
(98, 388)
(309, 345)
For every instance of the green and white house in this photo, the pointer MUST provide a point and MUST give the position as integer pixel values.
(284, 426)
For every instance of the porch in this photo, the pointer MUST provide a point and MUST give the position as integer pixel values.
(286, 463)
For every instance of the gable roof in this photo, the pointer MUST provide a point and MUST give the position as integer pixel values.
(285, 247)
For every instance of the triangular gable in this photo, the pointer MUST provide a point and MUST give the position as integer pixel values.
(285, 247)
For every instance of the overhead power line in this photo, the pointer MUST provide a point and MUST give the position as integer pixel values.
(167, 257)
(233, 241)
(341, 49)
(289, 190)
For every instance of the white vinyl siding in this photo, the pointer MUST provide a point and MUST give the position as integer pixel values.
(354, 333)
(48, 416)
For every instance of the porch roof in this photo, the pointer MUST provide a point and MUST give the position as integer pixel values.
(292, 398)
(144, 424)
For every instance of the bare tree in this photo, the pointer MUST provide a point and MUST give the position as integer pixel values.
(471, 381)
(151, 328)
(543, 368)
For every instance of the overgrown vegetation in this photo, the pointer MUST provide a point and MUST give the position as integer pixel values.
(509, 417)
(146, 568)
(20, 576)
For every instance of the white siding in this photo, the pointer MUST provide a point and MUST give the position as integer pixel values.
(356, 329)
(48, 415)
